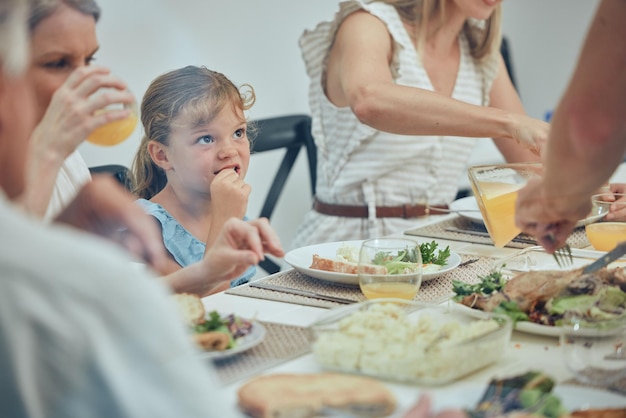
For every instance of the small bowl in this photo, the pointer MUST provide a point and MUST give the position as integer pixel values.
(410, 342)
(604, 236)
(595, 351)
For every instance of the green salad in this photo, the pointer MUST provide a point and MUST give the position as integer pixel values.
(407, 259)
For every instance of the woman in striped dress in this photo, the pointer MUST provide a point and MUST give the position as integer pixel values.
(400, 91)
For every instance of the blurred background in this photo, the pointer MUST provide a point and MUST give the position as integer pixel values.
(256, 42)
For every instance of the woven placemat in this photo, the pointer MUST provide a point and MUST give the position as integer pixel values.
(578, 239)
(281, 343)
(434, 291)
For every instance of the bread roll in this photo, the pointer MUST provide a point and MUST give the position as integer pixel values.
(191, 308)
(304, 395)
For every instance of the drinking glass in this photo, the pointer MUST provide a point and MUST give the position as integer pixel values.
(495, 188)
(117, 131)
(595, 350)
(604, 236)
(390, 268)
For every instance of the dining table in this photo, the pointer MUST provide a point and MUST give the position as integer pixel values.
(287, 320)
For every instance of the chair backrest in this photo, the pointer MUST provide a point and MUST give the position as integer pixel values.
(119, 172)
(507, 56)
(291, 132)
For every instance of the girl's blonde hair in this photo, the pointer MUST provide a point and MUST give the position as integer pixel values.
(483, 40)
(195, 92)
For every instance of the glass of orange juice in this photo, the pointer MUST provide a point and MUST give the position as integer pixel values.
(604, 236)
(117, 131)
(495, 188)
(390, 268)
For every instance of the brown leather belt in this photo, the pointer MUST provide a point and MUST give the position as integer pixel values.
(404, 211)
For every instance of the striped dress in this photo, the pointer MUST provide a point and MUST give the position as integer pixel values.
(359, 165)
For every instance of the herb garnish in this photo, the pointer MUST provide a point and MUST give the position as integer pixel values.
(489, 283)
(429, 256)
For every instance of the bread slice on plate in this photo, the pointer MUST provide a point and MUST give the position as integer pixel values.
(305, 395)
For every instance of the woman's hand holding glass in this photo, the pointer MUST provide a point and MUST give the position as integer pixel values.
(76, 111)
(390, 268)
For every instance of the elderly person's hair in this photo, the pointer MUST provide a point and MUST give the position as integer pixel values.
(41, 9)
(13, 36)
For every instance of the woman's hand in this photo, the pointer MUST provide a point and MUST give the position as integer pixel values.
(69, 119)
(72, 113)
(531, 133)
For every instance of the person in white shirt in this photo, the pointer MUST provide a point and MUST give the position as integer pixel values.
(83, 333)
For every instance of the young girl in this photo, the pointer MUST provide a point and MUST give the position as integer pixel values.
(190, 167)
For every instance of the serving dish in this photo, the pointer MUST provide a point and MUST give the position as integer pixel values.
(406, 341)
(254, 338)
(301, 258)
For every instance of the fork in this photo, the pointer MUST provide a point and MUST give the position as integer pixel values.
(563, 256)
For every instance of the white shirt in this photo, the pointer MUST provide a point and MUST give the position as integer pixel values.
(72, 176)
(83, 334)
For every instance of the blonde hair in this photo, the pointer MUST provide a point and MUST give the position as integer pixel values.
(484, 39)
(195, 92)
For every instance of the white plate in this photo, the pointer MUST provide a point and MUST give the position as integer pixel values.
(301, 259)
(467, 207)
(244, 343)
(572, 397)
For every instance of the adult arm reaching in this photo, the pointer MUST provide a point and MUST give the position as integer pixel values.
(588, 135)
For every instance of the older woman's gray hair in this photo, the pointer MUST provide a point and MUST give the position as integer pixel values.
(41, 9)
(13, 36)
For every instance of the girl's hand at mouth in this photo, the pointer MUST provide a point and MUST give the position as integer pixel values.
(229, 194)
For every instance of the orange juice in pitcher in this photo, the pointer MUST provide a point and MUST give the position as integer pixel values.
(497, 205)
(495, 188)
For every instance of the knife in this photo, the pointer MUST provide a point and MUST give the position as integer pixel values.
(607, 258)
(300, 292)
(521, 240)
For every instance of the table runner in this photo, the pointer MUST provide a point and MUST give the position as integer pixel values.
(434, 291)
(281, 343)
(578, 239)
